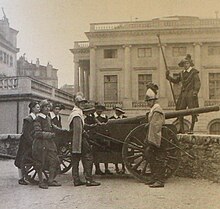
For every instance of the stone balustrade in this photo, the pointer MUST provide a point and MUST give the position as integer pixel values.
(81, 44)
(21, 85)
(191, 22)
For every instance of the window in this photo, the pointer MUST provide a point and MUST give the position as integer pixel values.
(110, 88)
(11, 61)
(214, 50)
(179, 51)
(144, 52)
(143, 79)
(214, 128)
(110, 53)
(1, 56)
(214, 85)
(4, 57)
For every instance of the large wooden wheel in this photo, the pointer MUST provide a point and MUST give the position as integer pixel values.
(64, 154)
(31, 173)
(135, 157)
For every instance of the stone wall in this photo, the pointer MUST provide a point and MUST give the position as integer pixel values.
(206, 149)
(9, 145)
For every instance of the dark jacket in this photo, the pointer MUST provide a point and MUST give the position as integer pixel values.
(26, 140)
(43, 137)
(55, 120)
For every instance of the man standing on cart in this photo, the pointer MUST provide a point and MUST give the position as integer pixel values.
(156, 120)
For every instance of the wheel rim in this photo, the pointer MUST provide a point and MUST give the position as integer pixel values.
(134, 157)
(65, 158)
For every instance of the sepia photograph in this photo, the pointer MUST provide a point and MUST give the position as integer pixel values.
(109, 104)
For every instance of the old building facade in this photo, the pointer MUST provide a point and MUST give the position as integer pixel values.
(118, 59)
(46, 74)
(8, 48)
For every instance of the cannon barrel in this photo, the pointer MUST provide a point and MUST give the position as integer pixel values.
(168, 115)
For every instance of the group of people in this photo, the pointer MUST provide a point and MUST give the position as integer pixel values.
(42, 133)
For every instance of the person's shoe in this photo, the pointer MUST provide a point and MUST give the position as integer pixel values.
(54, 183)
(108, 172)
(32, 181)
(150, 182)
(22, 182)
(92, 183)
(79, 183)
(99, 172)
(43, 185)
(157, 184)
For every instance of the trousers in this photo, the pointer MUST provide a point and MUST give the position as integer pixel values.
(87, 161)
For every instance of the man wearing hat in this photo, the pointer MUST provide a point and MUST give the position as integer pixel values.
(81, 150)
(101, 118)
(188, 98)
(119, 114)
(155, 152)
(44, 149)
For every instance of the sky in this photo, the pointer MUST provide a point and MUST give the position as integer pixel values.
(48, 28)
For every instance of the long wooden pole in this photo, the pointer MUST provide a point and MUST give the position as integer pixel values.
(174, 98)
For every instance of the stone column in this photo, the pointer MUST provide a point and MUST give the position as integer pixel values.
(82, 79)
(86, 86)
(197, 55)
(127, 102)
(93, 76)
(76, 77)
(198, 66)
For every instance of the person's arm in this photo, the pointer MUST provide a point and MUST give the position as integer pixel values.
(39, 133)
(171, 79)
(197, 84)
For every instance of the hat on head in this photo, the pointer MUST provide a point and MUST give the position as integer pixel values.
(44, 103)
(186, 59)
(150, 95)
(99, 106)
(79, 98)
(89, 108)
(32, 104)
(119, 109)
(152, 86)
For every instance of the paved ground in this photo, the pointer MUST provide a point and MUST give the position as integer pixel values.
(114, 193)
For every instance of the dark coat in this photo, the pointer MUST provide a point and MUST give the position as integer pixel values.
(26, 140)
(43, 140)
(190, 88)
(57, 122)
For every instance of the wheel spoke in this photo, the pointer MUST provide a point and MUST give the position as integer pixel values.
(29, 171)
(139, 141)
(144, 168)
(134, 146)
(64, 164)
(138, 164)
(69, 161)
(133, 157)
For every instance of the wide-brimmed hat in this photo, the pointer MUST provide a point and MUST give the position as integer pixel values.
(119, 109)
(186, 59)
(99, 106)
(89, 108)
(150, 95)
(80, 98)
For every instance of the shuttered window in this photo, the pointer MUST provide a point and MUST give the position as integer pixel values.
(111, 88)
